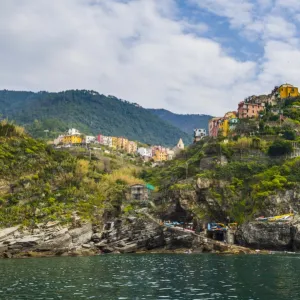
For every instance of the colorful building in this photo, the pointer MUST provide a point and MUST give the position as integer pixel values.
(72, 139)
(213, 126)
(114, 142)
(199, 134)
(160, 155)
(131, 147)
(122, 143)
(287, 90)
(250, 110)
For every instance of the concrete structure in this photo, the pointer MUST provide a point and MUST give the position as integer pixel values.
(180, 144)
(58, 140)
(72, 139)
(122, 143)
(114, 142)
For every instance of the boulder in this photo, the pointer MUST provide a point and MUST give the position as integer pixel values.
(130, 248)
(28, 241)
(63, 241)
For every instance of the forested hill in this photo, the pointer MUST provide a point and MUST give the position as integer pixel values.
(88, 111)
(186, 123)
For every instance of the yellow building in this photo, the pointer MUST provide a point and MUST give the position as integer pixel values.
(131, 147)
(71, 139)
(287, 90)
(160, 156)
(114, 143)
(224, 126)
(122, 143)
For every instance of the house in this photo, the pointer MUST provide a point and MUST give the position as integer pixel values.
(199, 134)
(114, 142)
(131, 147)
(250, 110)
(287, 90)
(141, 192)
(170, 154)
(72, 139)
(122, 143)
(160, 155)
(58, 140)
(145, 152)
(213, 126)
(73, 131)
(90, 139)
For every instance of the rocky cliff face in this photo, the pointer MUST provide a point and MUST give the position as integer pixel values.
(272, 236)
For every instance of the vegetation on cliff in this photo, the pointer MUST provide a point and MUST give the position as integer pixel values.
(38, 183)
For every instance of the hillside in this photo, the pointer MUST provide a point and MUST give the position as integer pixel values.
(40, 184)
(88, 111)
(186, 123)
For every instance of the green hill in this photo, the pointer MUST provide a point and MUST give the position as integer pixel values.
(186, 123)
(88, 111)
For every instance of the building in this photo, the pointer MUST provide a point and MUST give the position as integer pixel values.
(72, 139)
(73, 131)
(131, 147)
(90, 139)
(180, 144)
(233, 123)
(58, 140)
(213, 126)
(250, 110)
(160, 155)
(287, 90)
(199, 134)
(122, 143)
(170, 154)
(141, 192)
(145, 152)
(114, 142)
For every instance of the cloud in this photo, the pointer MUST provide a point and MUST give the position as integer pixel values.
(144, 51)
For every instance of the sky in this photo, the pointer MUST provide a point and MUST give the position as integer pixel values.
(187, 56)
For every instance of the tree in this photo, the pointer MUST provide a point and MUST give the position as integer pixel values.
(280, 147)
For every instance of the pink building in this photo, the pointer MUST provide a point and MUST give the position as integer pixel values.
(213, 126)
(250, 110)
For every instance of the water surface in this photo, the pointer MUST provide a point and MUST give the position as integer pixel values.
(152, 277)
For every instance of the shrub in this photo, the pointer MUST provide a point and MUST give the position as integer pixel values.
(279, 148)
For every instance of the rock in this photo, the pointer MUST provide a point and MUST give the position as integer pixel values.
(7, 231)
(87, 246)
(131, 219)
(82, 234)
(101, 244)
(107, 249)
(63, 241)
(28, 241)
(131, 248)
(51, 224)
(3, 248)
(265, 235)
(7, 255)
(96, 237)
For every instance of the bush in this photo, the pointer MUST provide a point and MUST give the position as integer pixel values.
(279, 148)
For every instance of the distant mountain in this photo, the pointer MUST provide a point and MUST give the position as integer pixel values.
(186, 123)
(49, 114)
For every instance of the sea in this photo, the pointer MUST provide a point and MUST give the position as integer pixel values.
(152, 276)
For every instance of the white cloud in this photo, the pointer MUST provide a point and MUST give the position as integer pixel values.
(131, 50)
(140, 50)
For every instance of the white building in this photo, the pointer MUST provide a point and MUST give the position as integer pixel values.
(73, 131)
(90, 139)
(145, 152)
(58, 140)
(171, 154)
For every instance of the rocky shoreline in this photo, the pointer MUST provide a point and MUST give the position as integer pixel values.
(124, 235)
(141, 234)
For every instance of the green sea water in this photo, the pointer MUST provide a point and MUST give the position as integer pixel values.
(152, 276)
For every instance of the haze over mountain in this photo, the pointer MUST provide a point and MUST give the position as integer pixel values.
(88, 111)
